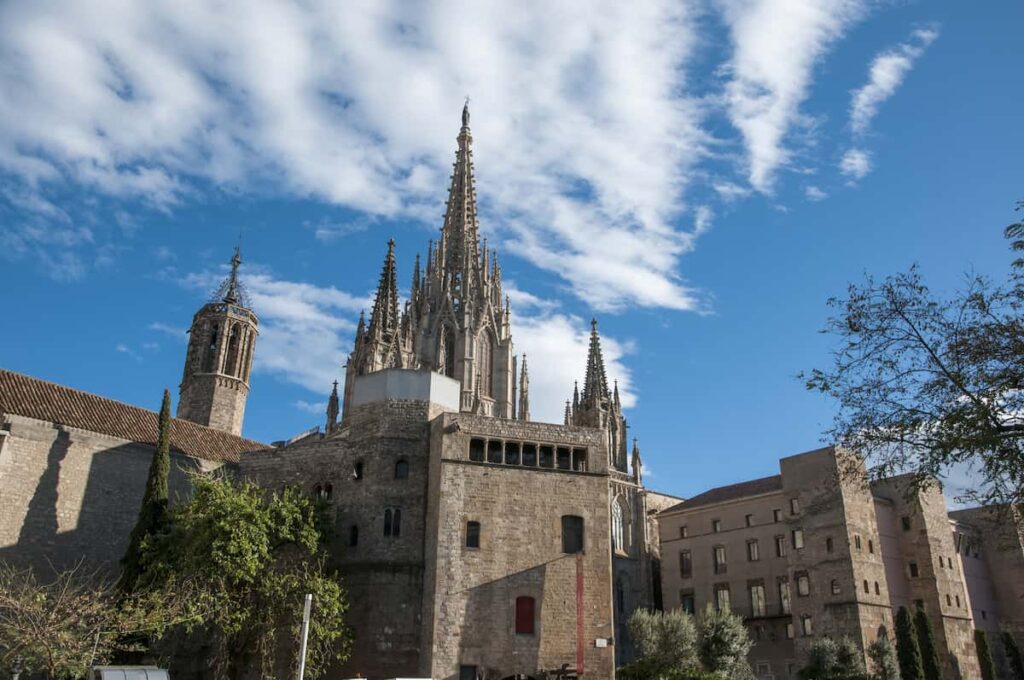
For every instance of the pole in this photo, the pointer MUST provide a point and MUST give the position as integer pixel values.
(580, 630)
(305, 635)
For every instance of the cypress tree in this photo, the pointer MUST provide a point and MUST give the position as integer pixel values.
(1013, 655)
(926, 642)
(907, 650)
(153, 513)
(988, 667)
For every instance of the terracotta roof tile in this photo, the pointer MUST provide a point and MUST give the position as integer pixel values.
(34, 398)
(721, 494)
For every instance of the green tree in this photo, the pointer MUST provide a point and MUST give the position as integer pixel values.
(883, 659)
(907, 651)
(723, 643)
(153, 513)
(255, 555)
(988, 666)
(666, 642)
(1013, 655)
(59, 628)
(829, 659)
(924, 381)
(926, 643)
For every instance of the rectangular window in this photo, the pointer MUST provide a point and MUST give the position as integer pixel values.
(572, 534)
(757, 602)
(913, 570)
(686, 601)
(683, 532)
(716, 525)
(530, 455)
(808, 629)
(750, 520)
(718, 558)
(722, 597)
(798, 539)
(803, 584)
(547, 456)
(564, 457)
(789, 630)
(494, 452)
(762, 669)
(856, 542)
(780, 546)
(472, 534)
(524, 615)
(511, 453)
(476, 450)
(784, 605)
(777, 515)
(685, 564)
(467, 673)
(753, 552)
(794, 506)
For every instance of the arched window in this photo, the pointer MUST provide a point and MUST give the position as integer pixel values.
(828, 544)
(401, 469)
(835, 587)
(211, 350)
(524, 615)
(387, 522)
(392, 522)
(231, 362)
(446, 352)
(353, 536)
(618, 530)
(328, 492)
(318, 492)
(867, 587)
(878, 591)
(485, 364)
(472, 534)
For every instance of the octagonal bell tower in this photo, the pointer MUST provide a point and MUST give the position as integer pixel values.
(215, 384)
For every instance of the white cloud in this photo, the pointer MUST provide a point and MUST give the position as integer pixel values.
(556, 346)
(173, 331)
(855, 164)
(586, 133)
(813, 193)
(777, 44)
(318, 408)
(886, 74)
(125, 349)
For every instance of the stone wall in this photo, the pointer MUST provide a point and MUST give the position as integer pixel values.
(71, 495)
(469, 612)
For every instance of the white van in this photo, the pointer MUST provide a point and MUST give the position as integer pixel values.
(128, 673)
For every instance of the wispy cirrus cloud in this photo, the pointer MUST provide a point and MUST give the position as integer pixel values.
(855, 164)
(887, 72)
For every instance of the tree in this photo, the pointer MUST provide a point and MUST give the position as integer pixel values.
(723, 643)
(833, 660)
(907, 651)
(1013, 655)
(926, 643)
(883, 659)
(255, 556)
(62, 627)
(153, 513)
(925, 382)
(666, 642)
(988, 667)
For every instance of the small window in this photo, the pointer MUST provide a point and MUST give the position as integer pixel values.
(949, 600)
(794, 506)
(357, 470)
(803, 584)
(524, 616)
(789, 630)
(835, 586)
(472, 534)
(683, 532)
(716, 525)
(547, 457)
(757, 601)
(905, 521)
(572, 534)
(328, 492)
(798, 539)
(776, 515)
(530, 455)
(387, 522)
(511, 453)
(871, 546)
(749, 520)
(402, 469)
(808, 629)
(467, 673)
(753, 552)
(494, 452)
(579, 460)
(722, 600)
(687, 602)
(563, 457)
(477, 447)
(784, 604)
(878, 591)
(353, 536)
(718, 558)
(780, 546)
(762, 669)
(913, 570)
(392, 522)
(685, 564)
(984, 616)
(958, 601)
(856, 542)
(828, 544)
(867, 587)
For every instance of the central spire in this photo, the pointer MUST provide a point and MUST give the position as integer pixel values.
(384, 317)
(459, 246)
(595, 386)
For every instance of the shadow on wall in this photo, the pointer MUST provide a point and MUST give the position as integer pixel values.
(82, 500)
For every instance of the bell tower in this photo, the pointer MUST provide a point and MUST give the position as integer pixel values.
(222, 339)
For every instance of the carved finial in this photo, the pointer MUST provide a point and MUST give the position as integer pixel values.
(465, 113)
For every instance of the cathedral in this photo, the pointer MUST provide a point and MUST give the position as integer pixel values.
(473, 541)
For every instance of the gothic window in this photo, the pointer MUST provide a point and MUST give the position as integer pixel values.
(867, 587)
(446, 352)
(392, 522)
(401, 469)
(246, 366)
(472, 534)
(485, 364)
(618, 527)
(211, 350)
(524, 615)
(572, 534)
(231, 362)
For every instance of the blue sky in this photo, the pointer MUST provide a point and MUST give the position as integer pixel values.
(701, 176)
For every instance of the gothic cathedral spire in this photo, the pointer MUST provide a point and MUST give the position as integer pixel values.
(597, 407)
(523, 410)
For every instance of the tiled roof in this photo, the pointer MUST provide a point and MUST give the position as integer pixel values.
(34, 398)
(754, 487)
